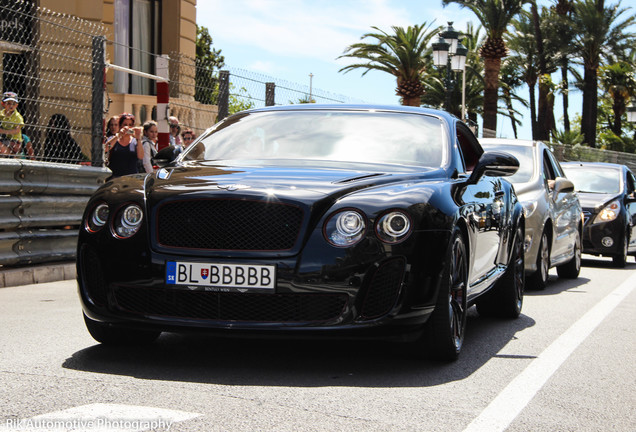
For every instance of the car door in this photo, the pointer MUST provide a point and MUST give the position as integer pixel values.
(630, 205)
(566, 212)
(485, 209)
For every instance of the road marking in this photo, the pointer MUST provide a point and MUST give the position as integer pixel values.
(498, 415)
(100, 416)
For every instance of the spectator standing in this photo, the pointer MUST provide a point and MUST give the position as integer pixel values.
(11, 124)
(149, 142)
(175, 129)
(187, 136)
(60, 146)
(112, 127)
(124, 148)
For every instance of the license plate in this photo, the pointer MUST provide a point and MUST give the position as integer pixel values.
(224, 276)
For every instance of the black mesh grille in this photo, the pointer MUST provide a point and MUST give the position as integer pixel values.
(383, 289)
(228, 225)
(231, 306)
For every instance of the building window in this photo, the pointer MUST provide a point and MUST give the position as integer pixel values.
(136, 43)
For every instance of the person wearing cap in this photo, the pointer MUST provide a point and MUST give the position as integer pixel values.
(11, 124)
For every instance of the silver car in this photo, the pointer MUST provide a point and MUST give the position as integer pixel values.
(554, 220)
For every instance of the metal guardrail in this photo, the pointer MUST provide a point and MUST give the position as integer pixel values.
(41, 206)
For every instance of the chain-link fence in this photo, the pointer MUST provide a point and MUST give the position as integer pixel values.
(200, 94)
(47, 62)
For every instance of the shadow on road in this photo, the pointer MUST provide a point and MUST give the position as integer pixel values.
(253, 362)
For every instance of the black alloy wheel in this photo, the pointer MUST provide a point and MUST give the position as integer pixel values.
(620, 260)
(539, 279)
(572, 268)
(444, 333)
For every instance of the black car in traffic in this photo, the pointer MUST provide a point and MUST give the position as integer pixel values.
(606, 193)
(338, 221)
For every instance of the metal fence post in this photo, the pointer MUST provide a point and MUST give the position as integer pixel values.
(224, 94)
(97, 107)
(270, 94)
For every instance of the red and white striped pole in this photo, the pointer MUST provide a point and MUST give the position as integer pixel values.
(163, 96)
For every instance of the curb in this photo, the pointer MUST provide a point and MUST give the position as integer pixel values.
(37, 274)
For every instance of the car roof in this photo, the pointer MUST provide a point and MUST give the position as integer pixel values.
(358, 107)
(593, 165)
(508, 141)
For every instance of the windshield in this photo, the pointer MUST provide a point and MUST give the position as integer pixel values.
(523, 154)
(373, 137)
(596, 180)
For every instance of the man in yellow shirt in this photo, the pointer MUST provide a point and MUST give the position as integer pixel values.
(11, 124)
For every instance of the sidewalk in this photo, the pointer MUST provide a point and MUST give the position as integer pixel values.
(37, 274)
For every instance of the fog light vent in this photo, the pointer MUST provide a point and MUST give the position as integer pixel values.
(607, 241)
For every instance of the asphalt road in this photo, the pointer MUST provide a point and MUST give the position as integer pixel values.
(567, 364)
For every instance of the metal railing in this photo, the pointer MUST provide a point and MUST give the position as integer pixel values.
(41, 207)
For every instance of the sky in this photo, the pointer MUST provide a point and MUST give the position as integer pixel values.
(291, 39)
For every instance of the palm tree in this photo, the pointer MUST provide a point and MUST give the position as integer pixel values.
(522, 43)
(597, 32)
(401, 54)
(511, 79)
(620, 83)
(562, 38)
(494, 15)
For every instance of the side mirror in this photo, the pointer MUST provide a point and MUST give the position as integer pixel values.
(494, 164)
(160, 162)
(561, 185)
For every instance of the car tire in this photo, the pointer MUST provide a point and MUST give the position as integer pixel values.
(444, 331)
(109, 335)
(539, 279)
(505, 299)
(572, 268)
(620, 260)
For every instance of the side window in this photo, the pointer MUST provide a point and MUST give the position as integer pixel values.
(468, 147)
(558, 171)
(548, 169)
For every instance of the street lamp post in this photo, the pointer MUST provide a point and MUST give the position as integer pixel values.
(631, 113)
(449, 52)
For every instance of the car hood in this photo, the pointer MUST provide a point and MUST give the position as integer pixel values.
(294, 181)
(591, 201)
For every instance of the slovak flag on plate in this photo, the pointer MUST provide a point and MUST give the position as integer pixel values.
(205, 272)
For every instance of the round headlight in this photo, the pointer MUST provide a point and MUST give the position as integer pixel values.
(98, 218)
(128, 221)
(345, 228)
(393, 227)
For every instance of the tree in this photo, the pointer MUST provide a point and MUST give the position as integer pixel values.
(619, 81)
(511, 79)
(598, 32)
(562, 37)
(522, 43)
(401, 54)
(207, 61)
(494, 15)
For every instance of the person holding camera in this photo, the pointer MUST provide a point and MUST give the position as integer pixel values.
(124, 148)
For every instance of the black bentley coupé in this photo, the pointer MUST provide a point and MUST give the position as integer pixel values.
(332, 220)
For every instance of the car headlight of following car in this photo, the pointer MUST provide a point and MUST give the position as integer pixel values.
(97, 218)
(128, 221)
(609, 212)
(345, 228)
(393, 227)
